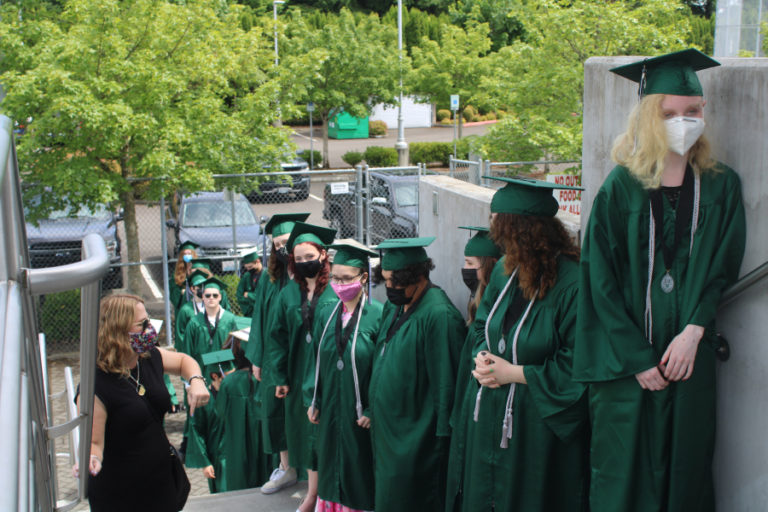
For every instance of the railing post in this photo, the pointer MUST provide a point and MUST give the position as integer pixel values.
(451, 166)
(359, 203)
(166, 288)
(367, 210)
(233, 196)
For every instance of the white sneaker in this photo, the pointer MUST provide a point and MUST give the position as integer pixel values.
(279, 479)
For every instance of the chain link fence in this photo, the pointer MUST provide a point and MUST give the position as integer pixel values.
(225, 224)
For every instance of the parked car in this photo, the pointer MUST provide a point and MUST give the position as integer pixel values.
(393, 207)
(206, 219)
(284, 187)
(57, 240)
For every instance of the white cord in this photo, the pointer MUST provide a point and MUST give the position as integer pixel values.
(312, 406)
(358, 400)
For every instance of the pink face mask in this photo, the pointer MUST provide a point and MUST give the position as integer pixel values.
(347, 292)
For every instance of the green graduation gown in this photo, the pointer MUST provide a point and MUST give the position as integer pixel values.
(246, 285)
(204, 436)
(411, 395)
(345, 456)
(272, 408)
(186, 313)
(241, 456)
(545, 465)
(652, 450)
(290, 350)
(197, 339)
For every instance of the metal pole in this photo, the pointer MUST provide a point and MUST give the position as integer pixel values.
(166, 288)
(367, 209)
(311, 145)
(233, 195)
(359, 203)
(401, 146)
(455, 127)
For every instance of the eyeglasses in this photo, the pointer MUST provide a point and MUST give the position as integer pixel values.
(211, 295)
(144, 324)
(345, 280)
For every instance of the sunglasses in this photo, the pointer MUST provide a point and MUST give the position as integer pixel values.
(145, 324)
(211, 295)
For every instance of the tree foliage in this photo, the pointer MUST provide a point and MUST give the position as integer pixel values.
(128, 89)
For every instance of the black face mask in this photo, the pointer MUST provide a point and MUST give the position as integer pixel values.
(309, 268)
(469, 275)
(282, 255)
(199, 293)
(397, 296)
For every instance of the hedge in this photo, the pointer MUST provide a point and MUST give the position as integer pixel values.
(352, 157)
(304, 153)
(379, 156)
(377, 128)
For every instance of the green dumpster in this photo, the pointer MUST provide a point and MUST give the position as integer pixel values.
(342, 125)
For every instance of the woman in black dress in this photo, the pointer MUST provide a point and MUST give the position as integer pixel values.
(130, 464)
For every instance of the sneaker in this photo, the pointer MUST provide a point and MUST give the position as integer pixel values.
(279, 479)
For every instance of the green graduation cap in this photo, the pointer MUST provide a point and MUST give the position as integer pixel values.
(189, 244)
(282, 223)
(251, 256)
(352, 255)
(213, 282)
(403, 252)
(526, 196)
(303, 232)
(198, 277)
(481, 244)
(219, 361)
(201, 263)
(673, 73)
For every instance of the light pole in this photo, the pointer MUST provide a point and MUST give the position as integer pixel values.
(275, 3)
(401, 146)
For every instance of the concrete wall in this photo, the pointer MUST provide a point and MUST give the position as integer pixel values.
(444, 205)
(737, 126)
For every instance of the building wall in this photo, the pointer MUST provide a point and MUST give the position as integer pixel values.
(415, 115)
(737, 126)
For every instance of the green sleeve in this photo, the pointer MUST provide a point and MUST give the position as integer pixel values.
(225, 300)
(558, 398)
(174, 293)
(444, 335)
(277, 342)
(477, 330)
(181, 321)
(726, 260)
(324, 312)
(197, 443)
(609, 344)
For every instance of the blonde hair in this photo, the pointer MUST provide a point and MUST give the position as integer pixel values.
(180, 273)
(116, 317)
(643, 147)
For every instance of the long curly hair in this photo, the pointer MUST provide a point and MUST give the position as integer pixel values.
(532, 244)
(181, 271)
(322, 277)
(486, 267)
(116, 316)
(275, 268)
(643, 147)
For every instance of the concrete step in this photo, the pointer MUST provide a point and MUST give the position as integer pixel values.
(249, 500)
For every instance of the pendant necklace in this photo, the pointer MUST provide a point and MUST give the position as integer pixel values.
(140, 389)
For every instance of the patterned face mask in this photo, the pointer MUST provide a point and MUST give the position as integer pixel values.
(144, 340)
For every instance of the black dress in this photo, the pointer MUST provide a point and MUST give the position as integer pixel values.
(136, 468)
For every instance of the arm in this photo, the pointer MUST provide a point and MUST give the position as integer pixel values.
(97, 436)
(177, 363)
(277, 346)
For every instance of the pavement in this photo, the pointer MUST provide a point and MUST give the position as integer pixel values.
(336, 148)
(200, 500)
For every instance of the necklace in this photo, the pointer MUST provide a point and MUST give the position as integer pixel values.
(140, 389)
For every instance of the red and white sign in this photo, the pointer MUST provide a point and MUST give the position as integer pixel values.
(569, 200)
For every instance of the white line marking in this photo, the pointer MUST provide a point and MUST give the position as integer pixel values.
(305, 137)
(313, 196)
(150, 282)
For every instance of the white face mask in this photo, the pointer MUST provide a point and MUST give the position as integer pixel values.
(683, 132)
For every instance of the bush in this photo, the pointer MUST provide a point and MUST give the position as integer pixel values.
(60, 318)
(352, 157)
(448, 121)
(231, 280)
(304, 153)
(443, 114)
(377, 128)
(378, 156)
(463, 146)
(469, 112)
(430, 152)
(490, 116)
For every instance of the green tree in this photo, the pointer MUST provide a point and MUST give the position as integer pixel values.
(346, 64)
(540, 81)
(129, 89)
(505, 26)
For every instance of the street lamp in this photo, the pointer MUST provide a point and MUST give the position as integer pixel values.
(401, 146)
(275, 3)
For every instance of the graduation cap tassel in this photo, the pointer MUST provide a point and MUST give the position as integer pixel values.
(641, 84)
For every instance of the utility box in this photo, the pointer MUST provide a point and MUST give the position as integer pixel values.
(342, 125)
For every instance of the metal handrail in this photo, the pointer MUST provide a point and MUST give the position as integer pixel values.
(73, 275)
(743, 284)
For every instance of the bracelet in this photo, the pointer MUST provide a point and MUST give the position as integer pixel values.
(196, 377)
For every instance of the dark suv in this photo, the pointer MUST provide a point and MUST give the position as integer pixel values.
(57, 240)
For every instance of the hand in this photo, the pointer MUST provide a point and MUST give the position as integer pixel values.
(680, 355)
(313, 413)
(209, 473)
(245, 294)
(256, 372)
(197, 395)
(94, 466)
(652, 379)
(282, 391)
(494, 371)
(364, 422)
